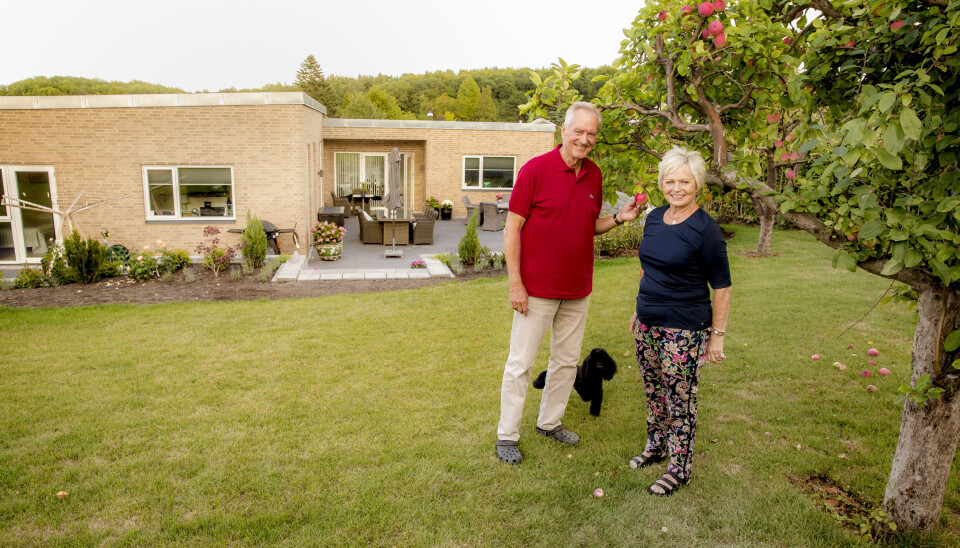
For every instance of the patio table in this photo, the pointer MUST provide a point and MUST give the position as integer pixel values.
(402, 230)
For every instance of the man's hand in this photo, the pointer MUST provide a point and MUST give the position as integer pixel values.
(631, 211)
(518, 298)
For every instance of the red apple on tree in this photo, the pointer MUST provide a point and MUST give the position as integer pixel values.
(685, 11)
(663, 16)
(719, 6)
(705, 9)
(720, 40)
(716, 27)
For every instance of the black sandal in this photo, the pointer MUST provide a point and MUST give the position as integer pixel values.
(667, 486)
(646, 459)
(509, 452)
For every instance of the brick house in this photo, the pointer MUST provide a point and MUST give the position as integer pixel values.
(187, 161)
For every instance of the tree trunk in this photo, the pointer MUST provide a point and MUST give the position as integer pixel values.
(768, 216)
(928, 435)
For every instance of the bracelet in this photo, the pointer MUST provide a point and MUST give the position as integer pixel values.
(616, 219)
(718, 332)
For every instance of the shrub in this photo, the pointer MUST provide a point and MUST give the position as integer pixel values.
(627, 236)
(54, 266)
(236, 274)
(85, 257)
(190, 275)
(246, 268)
(480, 264)
(29, 278)
(444, 258)
(214, 257)
(469, 248)
(111, 269)
(143, 266)
(172, 260)
(167, 277)
(253, 244)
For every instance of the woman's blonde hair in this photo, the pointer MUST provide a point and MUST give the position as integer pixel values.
(678, 157)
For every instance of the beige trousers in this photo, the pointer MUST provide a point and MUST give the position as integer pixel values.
(567, 319)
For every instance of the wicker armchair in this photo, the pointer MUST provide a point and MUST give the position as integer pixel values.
(493, 217)
(470, 207)
(371, 231)
(343, 202)
(422, 229)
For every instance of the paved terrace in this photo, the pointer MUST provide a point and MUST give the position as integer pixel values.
(361, 261)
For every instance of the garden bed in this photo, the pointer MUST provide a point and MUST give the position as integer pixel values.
(205, 287)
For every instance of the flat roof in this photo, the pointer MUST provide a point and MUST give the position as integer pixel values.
(538, 125)
(150, 100)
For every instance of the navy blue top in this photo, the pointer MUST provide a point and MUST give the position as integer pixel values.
(678, 262)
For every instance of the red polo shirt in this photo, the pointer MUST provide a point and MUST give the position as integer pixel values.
(556, 241)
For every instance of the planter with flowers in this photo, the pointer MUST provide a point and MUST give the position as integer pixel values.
(446, 210)
(433, 203)
(499, 199)
(328, 240)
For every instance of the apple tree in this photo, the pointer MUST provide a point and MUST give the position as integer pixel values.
(885, 192)
(840, 115)
(708, 76)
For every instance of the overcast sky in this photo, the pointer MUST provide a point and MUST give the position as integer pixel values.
(211, 44)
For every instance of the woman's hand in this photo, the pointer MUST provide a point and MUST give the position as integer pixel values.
(633, 323)
(715, 350)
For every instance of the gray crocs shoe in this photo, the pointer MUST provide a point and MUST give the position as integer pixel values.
(560, 434)
(509, 452)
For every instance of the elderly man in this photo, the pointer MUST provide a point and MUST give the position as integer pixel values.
(548, 243)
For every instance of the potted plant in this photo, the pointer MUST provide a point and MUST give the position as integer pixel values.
(433, 203)
(328, 240)
(446, 210)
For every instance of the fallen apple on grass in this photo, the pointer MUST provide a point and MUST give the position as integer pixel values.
(866, 373)
(883, 371)
(815, 357)
(873, 352)
(597, 493)
(871, 388)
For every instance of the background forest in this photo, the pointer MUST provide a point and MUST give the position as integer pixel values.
(484, 95)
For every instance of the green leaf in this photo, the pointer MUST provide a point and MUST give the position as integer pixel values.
(871, 230)
(891, 267)
(893, 138)
(952, 342)
(948, 205)
(910, 123)
(941, 270)
(888, 160)
(808, 146)
(887, 101)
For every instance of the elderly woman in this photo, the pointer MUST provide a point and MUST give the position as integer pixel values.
(675, 326)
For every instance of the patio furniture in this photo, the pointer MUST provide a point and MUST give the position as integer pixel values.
(422, 228)
(361, 201)
(371, 231)
(400, 225)
(493, 217)
(343, 202)
(470, 207)
(331, 215)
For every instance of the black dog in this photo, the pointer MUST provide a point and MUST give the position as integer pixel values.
(597, 367)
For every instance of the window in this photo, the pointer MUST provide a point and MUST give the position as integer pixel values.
(186, 192)
(493, 172)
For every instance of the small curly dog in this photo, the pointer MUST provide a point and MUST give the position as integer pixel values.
(597, 367)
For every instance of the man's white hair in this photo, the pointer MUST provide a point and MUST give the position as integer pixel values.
(582, 105)
(678, 157)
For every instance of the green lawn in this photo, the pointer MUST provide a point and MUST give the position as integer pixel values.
(370, 420)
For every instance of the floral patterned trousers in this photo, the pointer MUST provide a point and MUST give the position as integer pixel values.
(670, 360)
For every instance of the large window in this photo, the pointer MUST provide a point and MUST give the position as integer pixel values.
(493, 172)
(187, 192)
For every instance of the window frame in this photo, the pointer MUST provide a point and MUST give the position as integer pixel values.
(480, 187)
(177, 216)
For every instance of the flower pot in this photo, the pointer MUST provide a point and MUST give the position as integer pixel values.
(446, 214)
(329, 252)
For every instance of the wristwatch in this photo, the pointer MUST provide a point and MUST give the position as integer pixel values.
(616, 219)
(718, 332)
